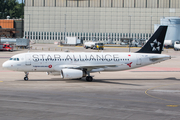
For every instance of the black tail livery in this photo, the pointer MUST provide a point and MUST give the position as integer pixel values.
(156, 42)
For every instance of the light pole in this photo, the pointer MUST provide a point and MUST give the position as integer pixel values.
(65, 27)
(22, 18)
(129, 32)
(29, 26)
(151, 24)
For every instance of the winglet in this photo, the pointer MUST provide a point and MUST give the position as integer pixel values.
(155, 43)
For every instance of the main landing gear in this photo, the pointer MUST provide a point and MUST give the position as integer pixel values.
(89, 78)
(26, 76)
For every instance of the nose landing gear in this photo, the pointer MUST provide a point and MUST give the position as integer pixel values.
(26, 76)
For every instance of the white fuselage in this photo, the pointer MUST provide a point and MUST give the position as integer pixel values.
(56, 61)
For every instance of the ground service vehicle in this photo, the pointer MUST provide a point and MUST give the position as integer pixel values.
(176, 45)
(6, 47)
(18, 42)
(21, 42)
(89, 45)
(72, 41)
(168, 43)
(94, 45)
(98, 46)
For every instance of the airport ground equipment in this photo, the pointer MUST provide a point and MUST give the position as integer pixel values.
(18, 42)
(99, 46)
(168, 44)
(177, 45)
(94, 45)
(89, 45)
(6, 47)
(72, 41)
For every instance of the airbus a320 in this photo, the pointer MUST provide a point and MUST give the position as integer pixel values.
(78, 65)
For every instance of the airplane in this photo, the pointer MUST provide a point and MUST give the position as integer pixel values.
(70, 65)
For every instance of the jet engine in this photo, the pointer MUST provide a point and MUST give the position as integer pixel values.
(72, 73)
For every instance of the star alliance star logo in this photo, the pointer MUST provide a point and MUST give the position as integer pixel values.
(155, 45)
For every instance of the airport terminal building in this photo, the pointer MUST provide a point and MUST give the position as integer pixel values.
(53, 20)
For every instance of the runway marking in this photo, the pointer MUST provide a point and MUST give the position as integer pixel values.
(172, 105)
(1, 81)
(162, 98)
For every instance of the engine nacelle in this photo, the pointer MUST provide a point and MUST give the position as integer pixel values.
(53, 73)
(71, 73)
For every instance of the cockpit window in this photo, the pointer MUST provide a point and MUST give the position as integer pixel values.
(14, 59)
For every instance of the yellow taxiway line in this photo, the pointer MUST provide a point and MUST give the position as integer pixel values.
(161, 98)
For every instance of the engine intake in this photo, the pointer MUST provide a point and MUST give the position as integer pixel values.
(71, 73)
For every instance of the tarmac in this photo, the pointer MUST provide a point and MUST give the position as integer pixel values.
(147, 93)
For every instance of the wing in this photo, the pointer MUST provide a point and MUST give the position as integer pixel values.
(91, 67)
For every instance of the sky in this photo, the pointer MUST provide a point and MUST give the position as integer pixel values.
(20, 1)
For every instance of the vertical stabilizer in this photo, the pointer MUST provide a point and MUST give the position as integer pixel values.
(156, 42)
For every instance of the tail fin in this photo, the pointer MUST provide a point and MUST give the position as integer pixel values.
(156, 42)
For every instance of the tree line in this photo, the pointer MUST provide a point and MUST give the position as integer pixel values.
(11, 8)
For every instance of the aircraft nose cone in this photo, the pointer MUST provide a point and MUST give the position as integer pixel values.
(5, 65)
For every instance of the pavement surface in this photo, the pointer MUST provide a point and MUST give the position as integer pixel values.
(147, 93)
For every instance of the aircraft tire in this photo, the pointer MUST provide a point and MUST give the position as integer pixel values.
(26, 78)
(89, 79)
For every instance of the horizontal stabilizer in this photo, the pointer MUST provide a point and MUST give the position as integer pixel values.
(159, 58)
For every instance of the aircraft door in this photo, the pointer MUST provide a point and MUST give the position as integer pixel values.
(28, 60)
(139, 60)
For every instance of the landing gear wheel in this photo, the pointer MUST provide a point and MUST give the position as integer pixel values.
(26, 78)
(89, 79)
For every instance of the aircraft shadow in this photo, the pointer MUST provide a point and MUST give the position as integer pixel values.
(170, 78)
(106, 81)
